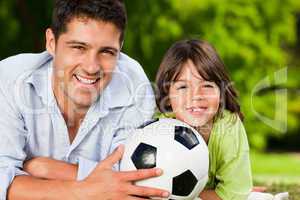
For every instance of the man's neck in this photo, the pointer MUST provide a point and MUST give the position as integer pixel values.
(73, 117)
(72, 113)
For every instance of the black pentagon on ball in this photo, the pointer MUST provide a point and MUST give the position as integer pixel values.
(144, 156)
(186, 137)
(184, 184)
(148, 123)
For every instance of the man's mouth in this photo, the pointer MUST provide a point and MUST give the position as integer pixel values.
(87, 81)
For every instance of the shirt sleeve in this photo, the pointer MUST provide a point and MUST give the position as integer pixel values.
(85, 167)
(234, 170)
(12, 142)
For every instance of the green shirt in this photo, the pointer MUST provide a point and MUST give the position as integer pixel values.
(229, 170)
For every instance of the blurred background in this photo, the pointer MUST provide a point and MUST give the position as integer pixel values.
(258, 40)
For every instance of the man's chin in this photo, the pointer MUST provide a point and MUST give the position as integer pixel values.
(83, 103)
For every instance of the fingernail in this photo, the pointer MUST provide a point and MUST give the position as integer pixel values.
(159, 171)
(166, 194)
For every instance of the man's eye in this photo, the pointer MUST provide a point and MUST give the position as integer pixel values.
(109, 52)
(81, 48)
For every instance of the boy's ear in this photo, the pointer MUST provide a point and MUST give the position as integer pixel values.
(50, 41)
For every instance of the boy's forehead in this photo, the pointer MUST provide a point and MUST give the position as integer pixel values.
(189, 71)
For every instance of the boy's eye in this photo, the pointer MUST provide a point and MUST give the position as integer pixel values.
(208, 86)
(181, 87)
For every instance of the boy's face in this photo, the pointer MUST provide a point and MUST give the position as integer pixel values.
(193, 99)
(84, 58)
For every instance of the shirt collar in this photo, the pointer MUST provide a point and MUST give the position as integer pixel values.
(41, 81)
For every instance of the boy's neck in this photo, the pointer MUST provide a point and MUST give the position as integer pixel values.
(205, 131)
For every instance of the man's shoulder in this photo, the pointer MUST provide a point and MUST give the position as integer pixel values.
(13, 67)
(131, 68)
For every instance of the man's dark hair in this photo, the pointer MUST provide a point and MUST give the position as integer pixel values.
(112, 11)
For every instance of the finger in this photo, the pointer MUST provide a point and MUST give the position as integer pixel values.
(114, 157)
(140, 174)
(145, 192)
(136, 198)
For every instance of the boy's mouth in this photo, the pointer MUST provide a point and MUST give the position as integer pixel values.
(197, 110)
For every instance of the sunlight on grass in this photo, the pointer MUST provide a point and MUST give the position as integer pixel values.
(275, 164)
(279, 172)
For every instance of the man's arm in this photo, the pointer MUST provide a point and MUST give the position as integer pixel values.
(102, 183)
(31, 188)
(47, 168)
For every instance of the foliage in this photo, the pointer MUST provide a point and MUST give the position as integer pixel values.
(253, 37)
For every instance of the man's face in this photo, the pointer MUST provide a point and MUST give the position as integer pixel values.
(84, 58)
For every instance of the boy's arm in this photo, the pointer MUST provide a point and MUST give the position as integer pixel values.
(209, 195)
(47, 168)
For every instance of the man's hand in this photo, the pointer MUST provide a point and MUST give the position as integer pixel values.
(104, 183)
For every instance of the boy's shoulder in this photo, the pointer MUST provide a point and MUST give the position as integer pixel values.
(228, 122)
(229, 134)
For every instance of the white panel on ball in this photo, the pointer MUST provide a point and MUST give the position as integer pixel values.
(185, 170)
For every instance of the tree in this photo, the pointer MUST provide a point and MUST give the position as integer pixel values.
(255, 38)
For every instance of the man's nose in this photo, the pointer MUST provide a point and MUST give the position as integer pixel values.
(93, 65)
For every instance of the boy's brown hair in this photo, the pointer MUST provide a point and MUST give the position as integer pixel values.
(208, 64)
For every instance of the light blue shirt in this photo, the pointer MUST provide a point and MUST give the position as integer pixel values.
(32, 125)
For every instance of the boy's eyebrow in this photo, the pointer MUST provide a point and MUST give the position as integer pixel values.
(184, 80)
(180, 80)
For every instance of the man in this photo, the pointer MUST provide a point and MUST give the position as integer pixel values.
(75, 104)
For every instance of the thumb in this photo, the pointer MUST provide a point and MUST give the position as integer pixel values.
(114, 157)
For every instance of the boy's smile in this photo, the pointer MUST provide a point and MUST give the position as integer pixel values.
(193, 99)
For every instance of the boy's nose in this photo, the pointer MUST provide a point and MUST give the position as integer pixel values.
(197, 94)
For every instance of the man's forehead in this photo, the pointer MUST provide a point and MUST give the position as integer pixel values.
(92, 32)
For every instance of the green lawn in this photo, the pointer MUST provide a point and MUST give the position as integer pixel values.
(278, 172)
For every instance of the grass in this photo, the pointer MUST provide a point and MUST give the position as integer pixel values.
(279, 172)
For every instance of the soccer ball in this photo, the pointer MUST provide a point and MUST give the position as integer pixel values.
(176, 148)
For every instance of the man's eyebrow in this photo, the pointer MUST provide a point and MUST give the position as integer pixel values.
(77, 42)
(109, 48)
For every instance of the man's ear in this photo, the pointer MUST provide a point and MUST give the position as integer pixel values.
(50, 41)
